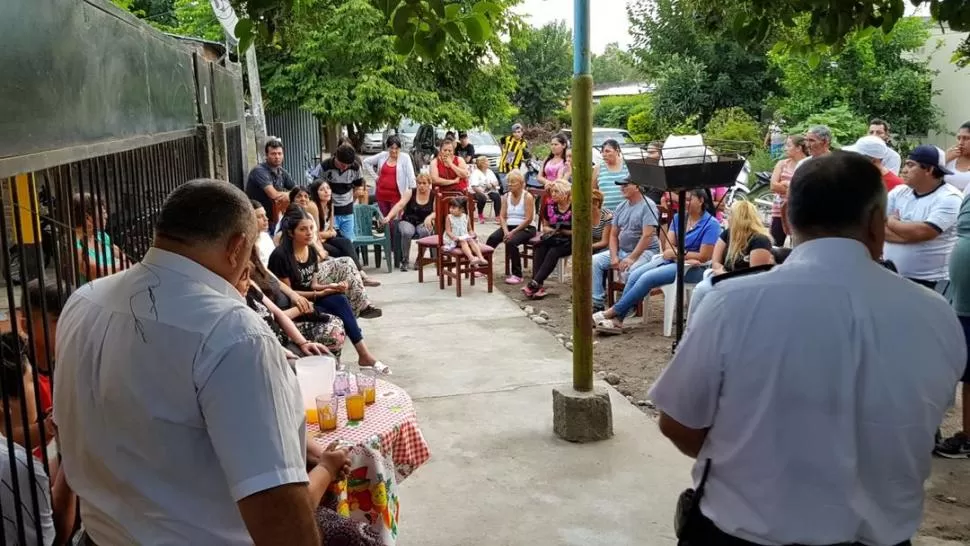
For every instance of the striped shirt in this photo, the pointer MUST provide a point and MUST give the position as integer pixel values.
(612, 195)
(25, 503)
(342, 184)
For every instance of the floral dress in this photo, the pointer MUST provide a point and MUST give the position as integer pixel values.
(336, 270)
(322, 328)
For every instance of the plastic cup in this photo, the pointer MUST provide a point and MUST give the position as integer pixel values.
(327, 412)
(367, 385)
(341, 384)
(355, 405)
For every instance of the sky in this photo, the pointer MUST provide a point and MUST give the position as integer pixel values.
(608, 21)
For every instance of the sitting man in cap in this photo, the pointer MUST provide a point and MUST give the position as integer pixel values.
(633, 240)
(922, 216)
(877, 151)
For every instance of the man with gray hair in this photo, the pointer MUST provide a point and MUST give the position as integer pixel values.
(818, 141)
(791, 382)
(180, 419)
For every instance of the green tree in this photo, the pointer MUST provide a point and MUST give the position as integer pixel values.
(872, 74)
(614, 65)
(542, 58)
(698, 69)
(829, 21)
(616, 111)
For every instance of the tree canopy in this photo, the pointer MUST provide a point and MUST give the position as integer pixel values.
(543, 59)
(614, 65)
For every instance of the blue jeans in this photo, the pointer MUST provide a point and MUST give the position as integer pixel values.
(645, 279)
(601, 264)
(701, 289)
(345, 225)
(339, 305)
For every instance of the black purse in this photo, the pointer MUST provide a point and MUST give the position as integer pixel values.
(688, 513)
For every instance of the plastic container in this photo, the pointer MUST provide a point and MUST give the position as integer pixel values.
(315, 375)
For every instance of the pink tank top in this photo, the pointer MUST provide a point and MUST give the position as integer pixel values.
(551, 168)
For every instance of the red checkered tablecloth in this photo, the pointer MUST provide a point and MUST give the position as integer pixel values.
(389, 422)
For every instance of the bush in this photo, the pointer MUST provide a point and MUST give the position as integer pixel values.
(563, 117)
(616, 111)
(846, 125)
(733, 124)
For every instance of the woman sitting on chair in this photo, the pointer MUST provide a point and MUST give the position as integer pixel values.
(556, 237)
(296, 263)
(744, 245)
(702, 232)
(335, 243)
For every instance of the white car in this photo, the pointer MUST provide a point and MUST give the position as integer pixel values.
(628, 148)
(373, 143)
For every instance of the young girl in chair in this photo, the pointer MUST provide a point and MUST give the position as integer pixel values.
(459, 235)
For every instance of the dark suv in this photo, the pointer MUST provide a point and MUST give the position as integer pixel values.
(428, 137)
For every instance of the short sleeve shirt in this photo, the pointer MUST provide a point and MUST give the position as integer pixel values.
(629, 219)
(171, 393)
(742, 260)
(960, 263)
(262, 176)
(300, 278)
(928, 260)
(705, 232)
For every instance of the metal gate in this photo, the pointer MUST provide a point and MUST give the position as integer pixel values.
(300, 132)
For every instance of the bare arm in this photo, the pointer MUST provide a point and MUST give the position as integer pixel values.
(760, 256)
(688, 440)
(399, 206)
(605, 239)
(310, 295)
(717, 261)
(910, 232)
(777, 186)
(703, 255)
(461, 169)
(281, 515)
(370, 163)
(284, 321)
(646, 236)
(64, 508)
(503, 216)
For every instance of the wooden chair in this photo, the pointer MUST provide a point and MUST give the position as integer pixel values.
(614, 286)
(428, 247)
(454, 265)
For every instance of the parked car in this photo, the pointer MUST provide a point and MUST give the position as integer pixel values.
(428, 137)
(629, 148)
(373, 143)
(406, 130)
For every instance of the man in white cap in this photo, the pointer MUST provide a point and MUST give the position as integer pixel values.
(922, 218)
(877, 151)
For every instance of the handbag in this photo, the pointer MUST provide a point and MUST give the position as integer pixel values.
(688, 512)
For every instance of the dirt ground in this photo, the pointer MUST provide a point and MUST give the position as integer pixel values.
(637, 358)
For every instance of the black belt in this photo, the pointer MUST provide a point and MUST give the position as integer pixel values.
(708, 534)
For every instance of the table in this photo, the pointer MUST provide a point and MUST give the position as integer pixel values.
(385, 448)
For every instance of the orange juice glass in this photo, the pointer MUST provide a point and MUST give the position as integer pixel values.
(355, 406)
(311, 416)
(367, 384)
(327, 412)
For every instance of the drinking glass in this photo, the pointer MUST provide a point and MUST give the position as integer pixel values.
(327, 412)
(367, 385)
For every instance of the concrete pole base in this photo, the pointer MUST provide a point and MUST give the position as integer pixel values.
(582, 417)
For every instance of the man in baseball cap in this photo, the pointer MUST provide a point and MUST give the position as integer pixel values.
(921, 227)
(877, 151)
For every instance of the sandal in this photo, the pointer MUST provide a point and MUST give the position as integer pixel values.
(607, 327)
(371, 282)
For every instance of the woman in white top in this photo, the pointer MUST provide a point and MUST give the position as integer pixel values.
(483, 185)
(958, 160)
(515, 221)
(382, 163)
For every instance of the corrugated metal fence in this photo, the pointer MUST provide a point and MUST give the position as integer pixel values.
(300, 132)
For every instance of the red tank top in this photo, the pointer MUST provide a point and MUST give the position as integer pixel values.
(387, 189)
(448, 173)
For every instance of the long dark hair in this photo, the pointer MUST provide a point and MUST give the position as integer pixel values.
(294, 215)
(262, 277)
(561, 139)
(314, 192)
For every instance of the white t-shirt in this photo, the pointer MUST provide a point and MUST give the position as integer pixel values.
(929, 260)
(482, 179)
(822, 382)
(174, 401)
(959, 179)
(265, 246)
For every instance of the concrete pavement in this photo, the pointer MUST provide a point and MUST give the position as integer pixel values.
(481, 375)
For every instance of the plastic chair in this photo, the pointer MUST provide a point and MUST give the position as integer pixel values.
(364, 236)
(670, 304)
